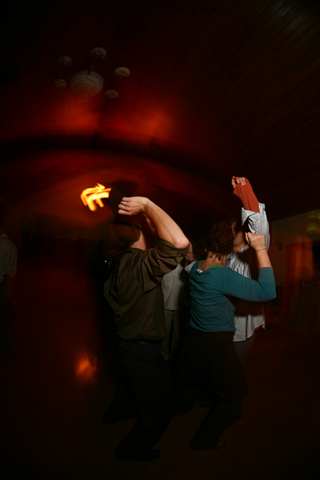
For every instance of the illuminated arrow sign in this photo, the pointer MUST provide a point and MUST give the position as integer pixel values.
(91, 195)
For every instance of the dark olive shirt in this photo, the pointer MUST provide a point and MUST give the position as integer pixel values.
(134, 293)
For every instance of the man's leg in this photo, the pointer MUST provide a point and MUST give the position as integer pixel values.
(122, 406)
(166, 342)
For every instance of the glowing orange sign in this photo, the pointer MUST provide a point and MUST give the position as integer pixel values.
(91, 195)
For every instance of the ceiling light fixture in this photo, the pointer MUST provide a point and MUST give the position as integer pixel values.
(89, 82)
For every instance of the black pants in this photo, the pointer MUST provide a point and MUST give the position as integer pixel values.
(208, 361)
(148, 390)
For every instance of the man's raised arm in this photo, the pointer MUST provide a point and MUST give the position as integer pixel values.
(166, 228)
(243, 190)
(253, 211)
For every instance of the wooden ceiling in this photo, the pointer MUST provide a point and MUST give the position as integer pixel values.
(217, 88)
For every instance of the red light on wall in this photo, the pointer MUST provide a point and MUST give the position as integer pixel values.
(91, 196)
(86, 368)
(313, 226)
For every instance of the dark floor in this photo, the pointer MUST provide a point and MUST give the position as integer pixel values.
(51, 404)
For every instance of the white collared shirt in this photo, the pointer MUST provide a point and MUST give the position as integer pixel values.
(245, 262)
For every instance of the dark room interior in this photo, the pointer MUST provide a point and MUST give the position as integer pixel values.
(166, 99)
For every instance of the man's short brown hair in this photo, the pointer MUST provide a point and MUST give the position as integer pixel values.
(127, 228)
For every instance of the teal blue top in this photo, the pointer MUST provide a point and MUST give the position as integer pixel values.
(211, 308)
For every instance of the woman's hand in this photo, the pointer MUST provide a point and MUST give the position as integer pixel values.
(256, 240)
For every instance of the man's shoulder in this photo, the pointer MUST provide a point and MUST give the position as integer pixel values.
(115, 259)
(125, 255)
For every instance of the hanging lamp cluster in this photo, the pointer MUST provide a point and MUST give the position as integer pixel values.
(89, 82)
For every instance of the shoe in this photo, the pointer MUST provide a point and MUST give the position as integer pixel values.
(137, 456)
(113, 417)
(196, 445)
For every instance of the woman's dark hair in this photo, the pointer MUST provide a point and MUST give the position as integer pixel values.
(219, 238)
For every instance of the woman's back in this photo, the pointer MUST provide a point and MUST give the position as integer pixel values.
(211, 308)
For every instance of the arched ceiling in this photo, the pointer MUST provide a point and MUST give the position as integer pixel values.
(217, 88)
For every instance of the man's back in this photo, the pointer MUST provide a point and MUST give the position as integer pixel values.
(133, 290)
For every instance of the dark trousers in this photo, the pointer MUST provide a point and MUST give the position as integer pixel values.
(147, 391)
(208, 361)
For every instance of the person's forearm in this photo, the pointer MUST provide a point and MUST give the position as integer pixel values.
(165, 226)
(263, 258)
(247, 196)
(238, 286)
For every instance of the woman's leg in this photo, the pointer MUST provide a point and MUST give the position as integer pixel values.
(216, 422)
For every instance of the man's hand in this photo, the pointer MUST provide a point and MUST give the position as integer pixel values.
(243, 190)
(256, 240)
(165, 227)
(238, 180)
(133, 205)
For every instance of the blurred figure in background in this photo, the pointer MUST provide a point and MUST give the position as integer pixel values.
(8, 268)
